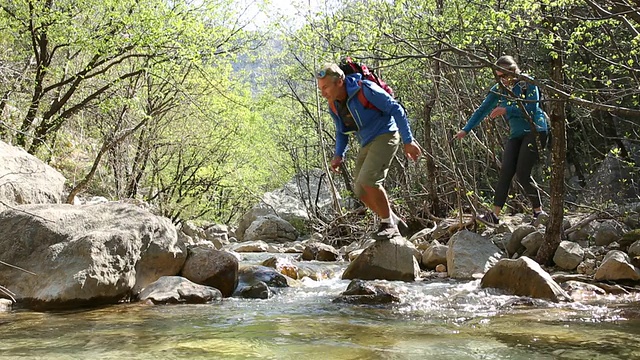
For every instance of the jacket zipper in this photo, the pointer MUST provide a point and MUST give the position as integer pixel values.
(356, 119)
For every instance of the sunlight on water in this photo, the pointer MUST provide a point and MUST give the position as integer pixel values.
(442, 319)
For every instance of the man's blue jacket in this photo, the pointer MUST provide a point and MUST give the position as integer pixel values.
(387, 116)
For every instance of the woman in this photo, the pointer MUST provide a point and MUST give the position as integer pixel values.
(521, 151)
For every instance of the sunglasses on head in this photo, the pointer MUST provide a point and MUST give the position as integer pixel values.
(324, 72)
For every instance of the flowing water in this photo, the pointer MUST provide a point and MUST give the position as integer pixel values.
(441, 319)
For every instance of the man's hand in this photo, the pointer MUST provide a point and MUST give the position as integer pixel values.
(412, 150)
(499, 111)
(335, 164)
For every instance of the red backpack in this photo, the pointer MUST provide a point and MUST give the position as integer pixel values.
(348, 66)
(351, 67)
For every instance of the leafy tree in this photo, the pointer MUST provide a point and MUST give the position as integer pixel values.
(447, 50)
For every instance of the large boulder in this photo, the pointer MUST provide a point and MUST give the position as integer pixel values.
(25, 179)
(259, 210)
(211, 267)
(291, 202)
(532, 243)
(470, 254)
(610, 182)
(270, 228)
(385, 260)
(607, 231)
(617, 265)
(85, 255)
(523, 277)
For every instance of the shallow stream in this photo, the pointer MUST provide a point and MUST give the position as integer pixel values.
(437, 319)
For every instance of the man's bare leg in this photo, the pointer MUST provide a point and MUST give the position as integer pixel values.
(376, 199)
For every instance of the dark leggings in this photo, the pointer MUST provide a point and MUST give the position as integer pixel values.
(520, 155)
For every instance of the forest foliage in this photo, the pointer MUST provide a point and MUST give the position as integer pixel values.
(189, 106)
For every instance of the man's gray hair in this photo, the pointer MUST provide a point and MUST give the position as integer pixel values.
(332, 70)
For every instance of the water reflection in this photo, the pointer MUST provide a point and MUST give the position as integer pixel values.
(436, 319)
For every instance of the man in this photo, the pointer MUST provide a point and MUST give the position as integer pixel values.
(363, 108)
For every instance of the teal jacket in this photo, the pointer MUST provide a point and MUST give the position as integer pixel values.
(518, 123)
(387, 116)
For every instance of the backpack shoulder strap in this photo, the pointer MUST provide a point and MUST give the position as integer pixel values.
(363, 98)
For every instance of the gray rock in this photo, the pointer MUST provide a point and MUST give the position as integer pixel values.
(385, 260)
(364, 292)
(250, 275)
(523, 277)
(5, 305)
(470, 254)
(532, 243)
(587, 267)
(218, 235)
(515, 241)
(25, 179)
(86, 254)
(251, 246)
(291, 202)
(192, 230)
(607, 232)
(259, 290)
(634, 249)
(568, 255)
(270, 228)
(215, 268)
(283, 265)
(320, 252)
(617, 266)
(178, 290)
(609, 183)
(434, 255)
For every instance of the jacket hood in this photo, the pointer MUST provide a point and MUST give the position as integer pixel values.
(352, 83)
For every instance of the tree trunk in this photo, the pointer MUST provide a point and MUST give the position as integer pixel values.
(553, 234)
(432, 181)
(428, 148)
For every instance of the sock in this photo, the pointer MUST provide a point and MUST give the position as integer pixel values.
(388, 220)
(395, 218)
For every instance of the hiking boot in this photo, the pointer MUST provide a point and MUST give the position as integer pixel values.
(540, 217)
(403, 228)
(489, 219)
(386, 231)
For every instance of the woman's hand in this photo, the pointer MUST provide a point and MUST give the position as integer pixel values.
(460, 135)
(499, 111)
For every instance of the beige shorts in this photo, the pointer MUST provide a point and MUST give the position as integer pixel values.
(372, 164)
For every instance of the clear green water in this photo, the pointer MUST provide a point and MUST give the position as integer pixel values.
(439, 320)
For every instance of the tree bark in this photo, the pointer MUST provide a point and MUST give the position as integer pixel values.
(432, 178)
(553, 233)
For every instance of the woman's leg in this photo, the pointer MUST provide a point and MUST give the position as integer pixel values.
(527, 158)
(509, 163)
